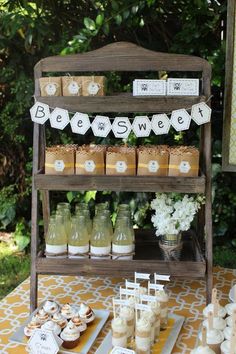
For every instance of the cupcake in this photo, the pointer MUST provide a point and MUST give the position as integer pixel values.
(214, 339)
(202, 350)
(67, 311)
(50, 307)
(59, 319)
(52, 326)
(119, 332)
(210, 308)
(230, 308)
(70, 336)
(31, 327)
(79, 323)
(86, 313)
(218, 323)
(42, 315)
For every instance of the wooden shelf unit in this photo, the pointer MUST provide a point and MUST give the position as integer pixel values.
(196, 259)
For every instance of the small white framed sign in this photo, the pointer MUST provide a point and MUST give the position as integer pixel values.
(183, 87)
(149, 87)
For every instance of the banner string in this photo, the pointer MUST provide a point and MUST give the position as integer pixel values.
(168, 113)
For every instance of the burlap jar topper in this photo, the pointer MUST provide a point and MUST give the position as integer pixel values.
(50, 86)
(90, 160)
(121, 160)
(60, 160)
(184, 161)
(93, 86)
(72, 85)
(153, 160)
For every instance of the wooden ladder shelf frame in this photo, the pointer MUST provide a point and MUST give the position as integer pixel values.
(120, 56)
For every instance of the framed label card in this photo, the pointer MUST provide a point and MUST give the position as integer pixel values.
(229, 129)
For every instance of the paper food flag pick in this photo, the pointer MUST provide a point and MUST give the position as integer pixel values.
(160, 124)
(129, 284)
(143, 276)
(59, 118)
(39, 113)
(204, 337)
(210, 320)
(80, 123)
(180, 120)
(121, 127)
(161, 277)
(141, 126)
(101, 126)
(216, 308)
(201, 113)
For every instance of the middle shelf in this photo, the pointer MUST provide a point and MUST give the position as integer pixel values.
(120, 183)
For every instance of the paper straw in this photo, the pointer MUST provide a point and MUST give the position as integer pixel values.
(216, 308)
(210, 320)
(232, 344)
(214, 295)
(204, 336)
(114, 308)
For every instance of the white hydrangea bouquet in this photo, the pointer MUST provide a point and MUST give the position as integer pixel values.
(174, 212)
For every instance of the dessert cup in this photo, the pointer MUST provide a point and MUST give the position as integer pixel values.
(70, 336)
(52, 326)
(210, 308)
(214, 339)
(155, 307)
(127, 313)
(79, 323)
(202, 350)
(119, 332)
(163, 299)
(50, 307)
(67, 311)
(228, 331)
(225, 347)
(143, 336)
(59, 319)
(31, 327)
(150, 316)
(230, 308)
(218, 323)
(86, 314)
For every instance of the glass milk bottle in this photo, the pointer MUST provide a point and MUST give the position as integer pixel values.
(56, 240)
(100, 242)
(107, 214)
(88, 221)
(78, 242)
(122, 241)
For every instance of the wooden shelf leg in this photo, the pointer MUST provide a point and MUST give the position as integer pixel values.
(34, 237)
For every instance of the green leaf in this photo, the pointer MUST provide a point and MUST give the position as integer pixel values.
(70, 196)
(22, 242)
(90, 195)
(89, 23)
(106, 28)
(99, 19)
(118, 19)
(114, 5)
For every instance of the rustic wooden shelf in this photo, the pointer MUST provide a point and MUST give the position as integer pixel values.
(122, 103)
(120, 183)
(148, 258)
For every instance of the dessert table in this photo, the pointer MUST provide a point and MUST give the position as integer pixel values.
(187, 298)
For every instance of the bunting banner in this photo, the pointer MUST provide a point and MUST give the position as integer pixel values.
(121, 127)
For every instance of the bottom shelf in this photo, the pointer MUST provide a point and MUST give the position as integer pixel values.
(148, 258)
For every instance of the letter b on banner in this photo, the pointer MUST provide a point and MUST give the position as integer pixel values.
(39, 113)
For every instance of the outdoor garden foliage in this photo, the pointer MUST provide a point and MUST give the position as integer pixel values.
(32, 30)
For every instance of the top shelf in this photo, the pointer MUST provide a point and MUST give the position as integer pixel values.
(124, 102)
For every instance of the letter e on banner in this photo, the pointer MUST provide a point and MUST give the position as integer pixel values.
(180, 120)
(80, 123)
(141, 126)
(121, 127)
(59, 118)
(39, 113)
(160, 124)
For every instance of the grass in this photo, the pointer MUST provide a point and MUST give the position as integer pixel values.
(14, 267)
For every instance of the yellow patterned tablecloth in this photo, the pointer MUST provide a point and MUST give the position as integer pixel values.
(187, 298)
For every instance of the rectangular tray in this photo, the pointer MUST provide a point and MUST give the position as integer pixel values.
(166, 343)
(87, 339)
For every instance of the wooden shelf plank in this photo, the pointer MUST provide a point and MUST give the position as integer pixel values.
(148, 258)
(120, 183)
(122, 103)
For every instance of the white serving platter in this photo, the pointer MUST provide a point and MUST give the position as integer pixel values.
(106, 345)
(231, 294)
(100, 315)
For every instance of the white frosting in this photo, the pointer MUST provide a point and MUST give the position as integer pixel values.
(118, 324)
(32, 325)
(202, 350)
(143, 325)
(70, 332)
(59, 319)
(228, 331)
(50, 307)
(230, 308)
(155, 306)
(132, 301)
(225, 347)
(142, 290)
(229, 321)
(42, 315)
(80, 324)
(52, 326)
(218, 323)
(162, 296)
(150, 316)
(210, 308)
(127, 313)
(84, 311)
(214, 336)
(67, 311)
